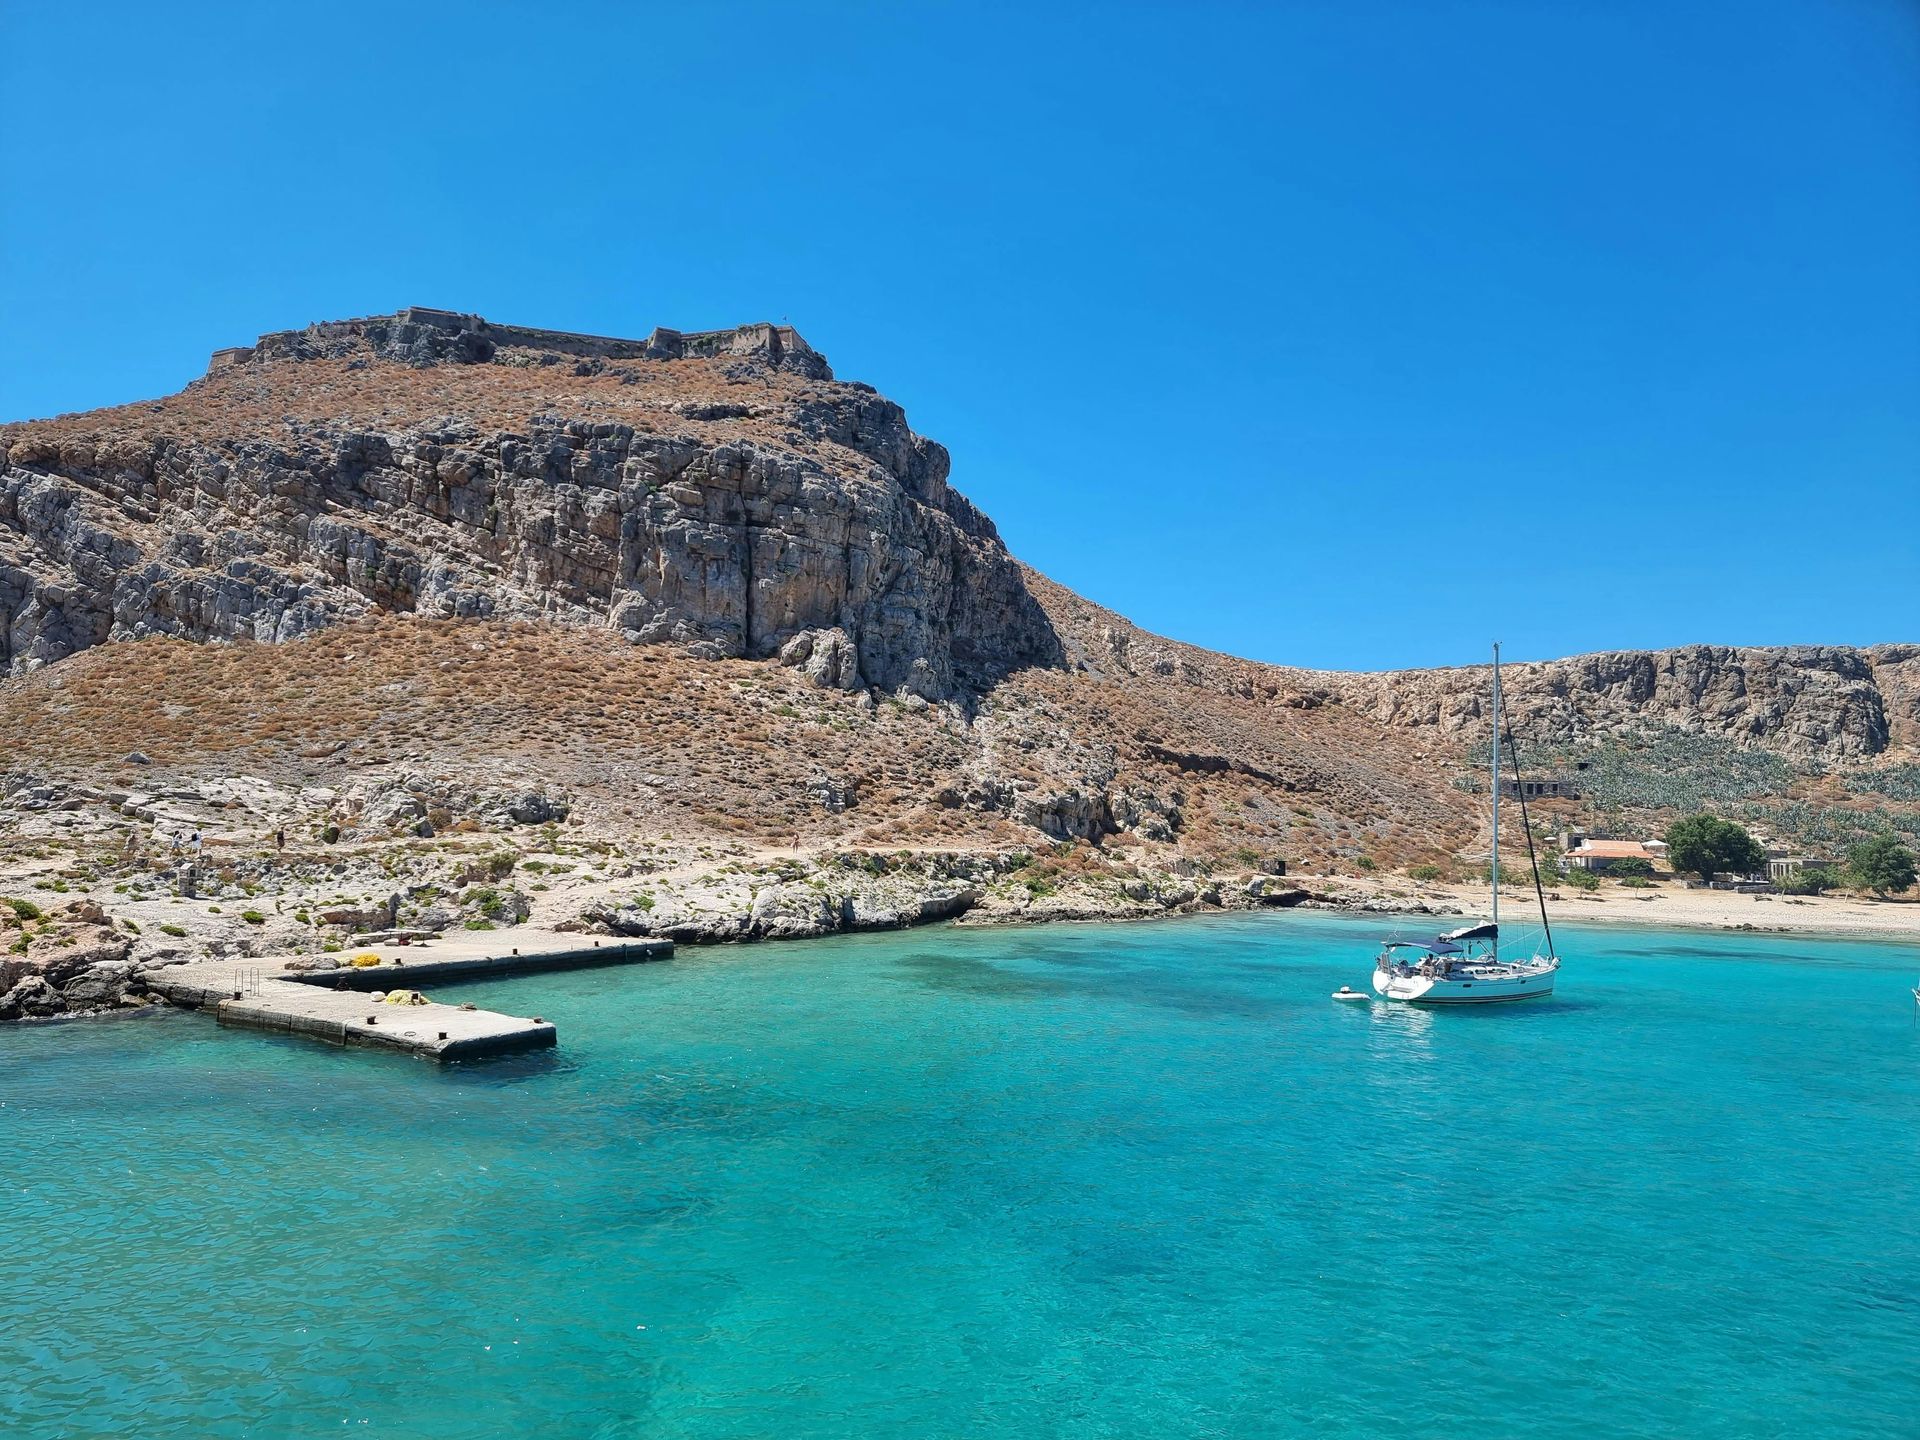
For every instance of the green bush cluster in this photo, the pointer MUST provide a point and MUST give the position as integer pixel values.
(1662, 770)
(1882, 865)
(1810, 880)
(1896, 782)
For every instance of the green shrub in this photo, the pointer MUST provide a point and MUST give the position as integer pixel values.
(1882, 865)
(24, 909)
(253, 917)
(1896, 782)
(177, 931)
(1631, 865)
(1425, 872)
(1580, 879)
(479, 924)
(1637, 882)
(1808, 880)
(1365, 862)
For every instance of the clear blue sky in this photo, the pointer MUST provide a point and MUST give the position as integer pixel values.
(1347, 333)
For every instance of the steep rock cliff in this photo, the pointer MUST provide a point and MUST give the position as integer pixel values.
(719, 491)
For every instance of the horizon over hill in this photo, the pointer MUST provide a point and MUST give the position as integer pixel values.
(615, 345)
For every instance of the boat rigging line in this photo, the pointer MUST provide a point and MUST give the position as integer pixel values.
(1526, 825)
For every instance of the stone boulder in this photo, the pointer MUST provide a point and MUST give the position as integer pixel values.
(99, 985)
(32, 998)
(793, 912)
(829, 658)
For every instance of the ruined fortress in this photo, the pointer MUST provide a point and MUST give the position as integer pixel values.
(423, 336)
(716, 489)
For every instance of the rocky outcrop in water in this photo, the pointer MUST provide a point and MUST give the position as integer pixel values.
(69, 961)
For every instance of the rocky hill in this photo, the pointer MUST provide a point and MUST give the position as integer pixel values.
(689, 608)
(720, 492)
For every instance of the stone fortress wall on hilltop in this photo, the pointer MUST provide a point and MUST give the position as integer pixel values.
(449, 334)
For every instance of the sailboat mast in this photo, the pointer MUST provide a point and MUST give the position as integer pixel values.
(1496, 799)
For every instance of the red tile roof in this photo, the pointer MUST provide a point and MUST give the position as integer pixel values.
(1612, 850)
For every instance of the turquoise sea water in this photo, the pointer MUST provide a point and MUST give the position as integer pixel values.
(1079, 1181)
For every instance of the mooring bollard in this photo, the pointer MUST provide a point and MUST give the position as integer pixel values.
(373, 1019)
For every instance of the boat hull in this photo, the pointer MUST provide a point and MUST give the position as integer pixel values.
(1416, 989)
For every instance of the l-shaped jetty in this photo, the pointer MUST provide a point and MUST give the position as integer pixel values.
(339, 1004)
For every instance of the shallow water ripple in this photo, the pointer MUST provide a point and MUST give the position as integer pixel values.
(1083, 1181)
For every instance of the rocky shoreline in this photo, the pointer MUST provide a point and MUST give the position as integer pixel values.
(108, 884)
(96, 952)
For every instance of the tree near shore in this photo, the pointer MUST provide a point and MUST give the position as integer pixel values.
(1882, 865)
(1710, 846)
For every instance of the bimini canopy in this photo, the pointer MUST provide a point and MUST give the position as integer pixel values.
(1440, 945)
(1474, 932)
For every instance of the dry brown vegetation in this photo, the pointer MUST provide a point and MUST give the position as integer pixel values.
(269, 400)
(653, 742)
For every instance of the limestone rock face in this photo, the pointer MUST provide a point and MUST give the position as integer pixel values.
(1828, 703)
(718, 491)
(1804, 701)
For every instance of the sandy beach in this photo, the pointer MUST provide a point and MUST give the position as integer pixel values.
(1668, 905)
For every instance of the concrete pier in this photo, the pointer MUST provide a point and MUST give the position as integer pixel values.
(264, 994)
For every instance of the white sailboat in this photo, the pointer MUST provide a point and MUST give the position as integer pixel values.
(1463, 967)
